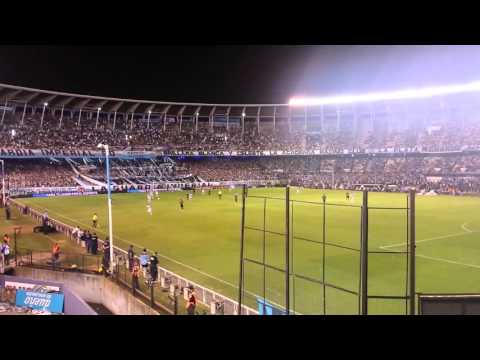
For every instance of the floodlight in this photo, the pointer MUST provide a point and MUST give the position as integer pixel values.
(99, 109)
(243, 114)
(45, 104)
(149, 111)
(392, 95)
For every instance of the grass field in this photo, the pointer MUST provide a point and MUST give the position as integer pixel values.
(202, 242)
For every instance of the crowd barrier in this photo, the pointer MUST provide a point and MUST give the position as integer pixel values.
(168, 279)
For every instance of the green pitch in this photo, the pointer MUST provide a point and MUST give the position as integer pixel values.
(202, 243)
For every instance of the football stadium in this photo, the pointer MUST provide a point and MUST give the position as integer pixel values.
(335, 205)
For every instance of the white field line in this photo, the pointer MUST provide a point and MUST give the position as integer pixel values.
(165, 257)
(464, 227)
(465, 231)
(448, 261)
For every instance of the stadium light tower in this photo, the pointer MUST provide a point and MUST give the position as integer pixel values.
(109, 202)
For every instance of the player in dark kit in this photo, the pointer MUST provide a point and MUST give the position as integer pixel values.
(347, 196)
(181, 204)
(236, 197)
(209, 192)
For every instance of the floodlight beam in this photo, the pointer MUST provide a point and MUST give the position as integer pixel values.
(420, 93)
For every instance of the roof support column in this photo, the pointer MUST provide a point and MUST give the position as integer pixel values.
(258, 120)
(114, 119)
(289, 119)
(338, 119)
(355, 122)
(131, 122)
(148, 119)
(181, 120)
(61, 118)
(4, 110)
(243, 122)
(79, 117)
(274, 117)
(305, 120)
(23, 115)
(322, 118)
(98, 115)
(164, 122)
(228, 119)
(210, 118)
(197, 114)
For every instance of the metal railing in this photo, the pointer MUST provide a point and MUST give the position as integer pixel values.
(163, 294)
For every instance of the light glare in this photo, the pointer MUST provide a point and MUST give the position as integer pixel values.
(393, 95)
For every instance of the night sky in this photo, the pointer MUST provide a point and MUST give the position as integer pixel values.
(235, 74)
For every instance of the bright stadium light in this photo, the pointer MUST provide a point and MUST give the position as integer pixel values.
(392, 95)
(243, 114)
(45, 104)
(99, 109)
(149, 111)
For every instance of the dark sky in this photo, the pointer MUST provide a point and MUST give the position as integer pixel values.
(235, 74)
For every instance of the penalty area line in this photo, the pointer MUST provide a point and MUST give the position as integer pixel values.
(466, 231)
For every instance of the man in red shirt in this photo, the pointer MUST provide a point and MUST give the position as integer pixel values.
(192, 301)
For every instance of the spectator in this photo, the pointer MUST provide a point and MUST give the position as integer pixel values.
(94, 244)
(106, 256)
(144, 262)
(135, 275)
(154, 267)
(130, 257)
(192, 301)
(5, 250)
(55, 253)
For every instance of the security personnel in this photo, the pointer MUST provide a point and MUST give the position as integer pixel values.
(88, 242)
(94, 244)
(154, 267)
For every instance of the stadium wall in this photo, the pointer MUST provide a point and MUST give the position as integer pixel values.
(93, 288)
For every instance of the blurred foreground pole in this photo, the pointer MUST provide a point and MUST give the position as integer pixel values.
(364, 256)
(412, 251)
(242, 240)
(287, 250)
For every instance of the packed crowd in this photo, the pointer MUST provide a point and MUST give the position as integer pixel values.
(38, 173)
(461, 173)
(435, 172)
(68, 136)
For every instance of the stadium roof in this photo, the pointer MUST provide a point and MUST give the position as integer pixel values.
(39, 97)
(70, 101)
